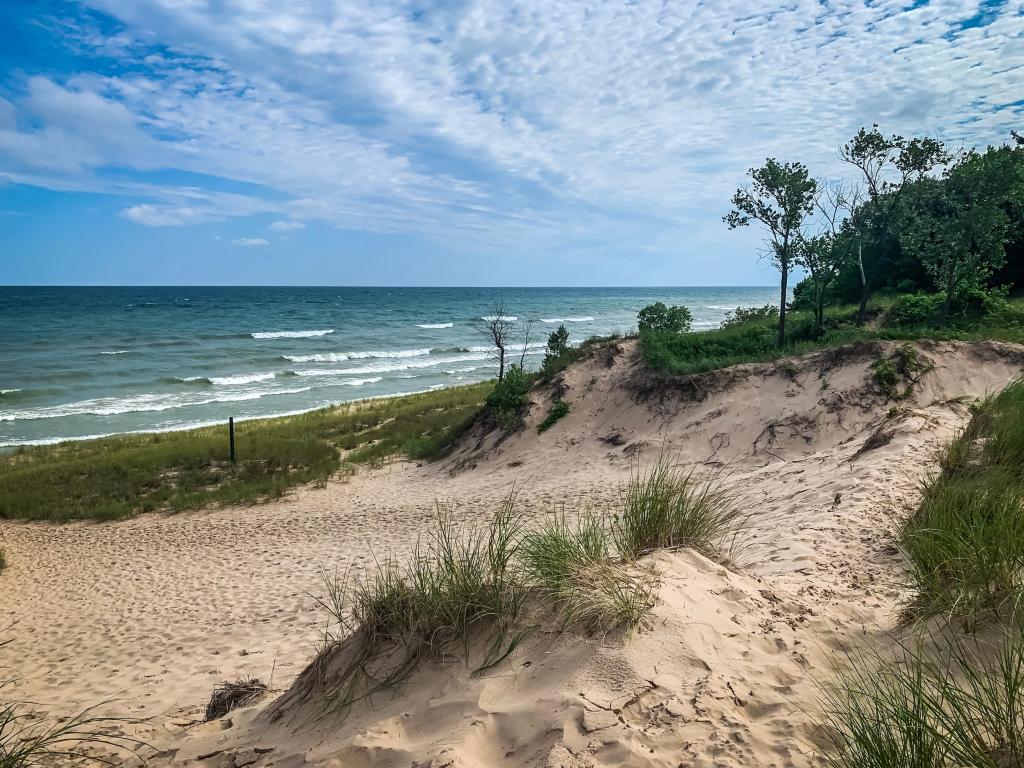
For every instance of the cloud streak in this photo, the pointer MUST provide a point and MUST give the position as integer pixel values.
(493, 124)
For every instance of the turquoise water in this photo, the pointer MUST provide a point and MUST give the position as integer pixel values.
(83, 362)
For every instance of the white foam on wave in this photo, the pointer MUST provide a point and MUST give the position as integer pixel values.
(432, 326)
(146, 403)
(587, 319)
(341, 357)
(290, 334)
(8, 391)
(250, 378)
(116, 352)
(492, 318)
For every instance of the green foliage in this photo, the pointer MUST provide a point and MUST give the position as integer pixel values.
(903, 368)
(666, 506)
(508, 401)
(558, 342)
(657, 317)
(930, 709)
(3, 559)
(965, 543)
(744, 315)
(559, 409)
(119, 476)
(572, 566)
(915, 310)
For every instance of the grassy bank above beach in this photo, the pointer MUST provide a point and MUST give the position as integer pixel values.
(117, 477)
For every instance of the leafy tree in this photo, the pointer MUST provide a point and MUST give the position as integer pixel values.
(780, 197)
(658, 317)
(958, 230)
(558, 342)
(508, 401)
(887, 164)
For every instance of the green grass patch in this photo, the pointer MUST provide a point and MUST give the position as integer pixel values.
(117, 477)
(559, 409)
(965, 542)
(959, 706)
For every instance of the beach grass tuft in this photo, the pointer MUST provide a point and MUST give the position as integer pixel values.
(667, 506)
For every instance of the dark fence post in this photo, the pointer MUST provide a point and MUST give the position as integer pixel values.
(231, 436)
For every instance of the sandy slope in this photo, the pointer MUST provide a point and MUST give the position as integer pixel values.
(153, 611)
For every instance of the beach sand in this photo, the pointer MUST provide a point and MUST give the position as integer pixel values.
(145, 616)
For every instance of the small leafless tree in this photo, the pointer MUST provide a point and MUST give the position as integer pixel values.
(497, 330)
(526, 329)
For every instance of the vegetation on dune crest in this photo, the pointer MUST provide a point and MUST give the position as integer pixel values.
(119, 476)
(559, 409)
(475, 592)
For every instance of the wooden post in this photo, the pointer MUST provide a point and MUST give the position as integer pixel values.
(231, 436)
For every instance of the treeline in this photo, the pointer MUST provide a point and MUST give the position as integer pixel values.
(944, 228)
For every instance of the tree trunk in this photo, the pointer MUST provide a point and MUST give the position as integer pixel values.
(501, 363)
(784, 264)
(865, 292)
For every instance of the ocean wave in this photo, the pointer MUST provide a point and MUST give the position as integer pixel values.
(492, 318)
(290, 334)
(717, 306)
(432, 326)
(9, 391)
(360, 382)
(453, 371)
(587, 319)
(117, 352)
(341, 357)
(251, 378)
(146, 403)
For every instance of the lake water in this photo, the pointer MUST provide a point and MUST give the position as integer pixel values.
(84, 362)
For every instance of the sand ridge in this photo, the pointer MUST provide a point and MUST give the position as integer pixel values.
(153, 611)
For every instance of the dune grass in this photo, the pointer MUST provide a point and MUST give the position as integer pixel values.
(667, 506)
(559, 410)
(117, 477)
(965, 543)
(473, 590)
(955, 703)
(574, 568)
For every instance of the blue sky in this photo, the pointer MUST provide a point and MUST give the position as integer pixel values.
(475, 142)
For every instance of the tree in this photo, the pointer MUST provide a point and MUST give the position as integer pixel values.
(887, 165)
(497, 330)
(823, 254)
(780, 197)
(658, 317)
(558, 342)
(958, 229)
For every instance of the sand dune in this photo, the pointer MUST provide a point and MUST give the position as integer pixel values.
(152, 612)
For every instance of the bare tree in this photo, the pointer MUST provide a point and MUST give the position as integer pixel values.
(526, 329)
(497, 330)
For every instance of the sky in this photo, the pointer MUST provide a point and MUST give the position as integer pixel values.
(472, 142)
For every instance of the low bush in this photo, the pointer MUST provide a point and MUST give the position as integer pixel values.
(508, 401)
(559, 409)
(915, 310)
(741, 315)
(661, 319)
(897, 375)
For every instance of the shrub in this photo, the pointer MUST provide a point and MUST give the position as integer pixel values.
(913, 310)
(904, 367)
(558, 354)
(658, 317)
(742, 315)
(558, 342)
(559, 409)
(508, 400)
(669, 507)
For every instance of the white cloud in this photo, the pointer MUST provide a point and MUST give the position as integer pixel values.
(496, 122)
(287, 225)
(249, 242)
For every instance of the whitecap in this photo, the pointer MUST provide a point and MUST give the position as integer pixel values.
(118, 352)
(290, 334)
(432, 326)
(250, 378)
(341, 357)
(492, 318)
(567, 319)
